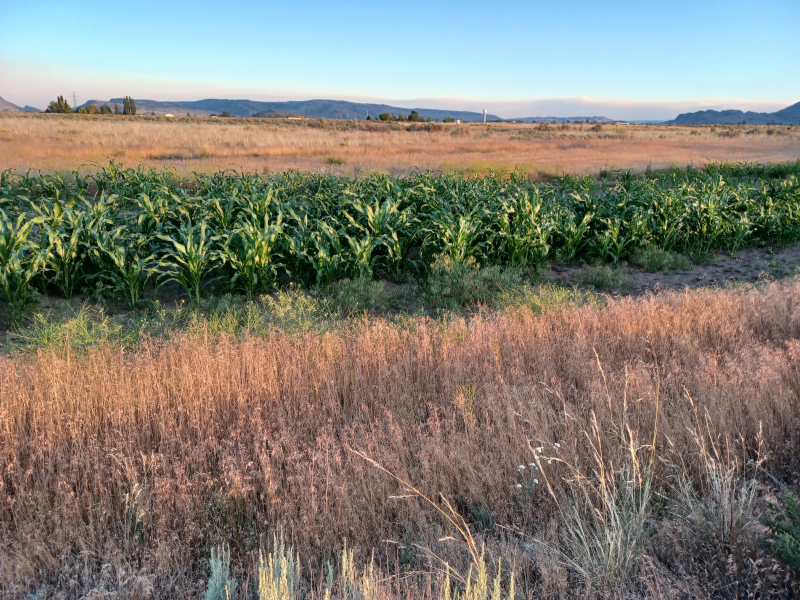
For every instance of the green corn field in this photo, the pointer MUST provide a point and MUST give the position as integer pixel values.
(132, 230)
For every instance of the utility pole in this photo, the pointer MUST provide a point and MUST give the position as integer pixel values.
(74, 101)
(484, 115)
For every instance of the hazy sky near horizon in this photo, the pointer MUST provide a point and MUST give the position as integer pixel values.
(621, 59)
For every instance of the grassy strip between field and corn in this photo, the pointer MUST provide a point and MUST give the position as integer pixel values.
(266, 439)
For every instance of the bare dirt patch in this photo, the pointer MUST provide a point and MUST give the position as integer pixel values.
(751, 266)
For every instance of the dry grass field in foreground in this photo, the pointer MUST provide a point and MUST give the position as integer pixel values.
(64, 142)
(120, 471)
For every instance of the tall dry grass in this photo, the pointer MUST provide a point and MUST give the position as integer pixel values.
(130, 466)
(58, 142)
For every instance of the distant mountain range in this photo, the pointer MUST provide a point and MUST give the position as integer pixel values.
(6, 106)
(342, 109)
(318, 109)
(787, 116)
(315, 109)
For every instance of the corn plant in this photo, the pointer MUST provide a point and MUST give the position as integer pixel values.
(223, 213)
(129, 273)
(380, 226)
(188, 258)
(319, 228)
(324, 251)
(20, 261)
(666, 220)
(457, 236)
(525, 231)
(620, 236)
(64, 249)
(13, 236)
(572, 233)
(376, 219)
(155, 213)
(398, 248)
(359, 260)
(252, 251)
(17, 271)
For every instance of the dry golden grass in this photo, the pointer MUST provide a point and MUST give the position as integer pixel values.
(61, 142)
(143, 461)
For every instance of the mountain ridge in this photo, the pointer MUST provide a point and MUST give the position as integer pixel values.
(6, 106)
(319, 109)
(786, 116)
(316, 109)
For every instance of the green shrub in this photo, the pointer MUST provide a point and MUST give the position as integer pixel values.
(220, 584)
(652, 259)
(784, 531)
(350, 297)
(294, 309)
(547, 297)
(604, 277)
(454, 283)
(74, 329)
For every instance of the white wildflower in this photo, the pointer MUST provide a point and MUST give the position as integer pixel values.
(519, 485)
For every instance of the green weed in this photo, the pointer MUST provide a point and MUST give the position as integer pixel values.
(604, 277)
(653, 259)
(455, 283)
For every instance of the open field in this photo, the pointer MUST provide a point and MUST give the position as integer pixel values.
(460, 380)
(64, 142)
(121, 470)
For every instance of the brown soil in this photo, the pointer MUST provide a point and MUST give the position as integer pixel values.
(750, 266)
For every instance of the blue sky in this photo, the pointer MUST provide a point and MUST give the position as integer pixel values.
(622, 59)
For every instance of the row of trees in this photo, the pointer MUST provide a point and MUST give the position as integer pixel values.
(413, 117)
(60, 105)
